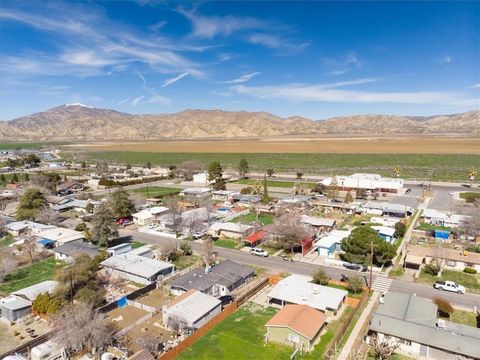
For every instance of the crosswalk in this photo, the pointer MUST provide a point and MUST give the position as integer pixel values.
(381, 284)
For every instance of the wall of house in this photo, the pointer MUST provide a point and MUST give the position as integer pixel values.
(207, 317)
(283, 334)
(231, 234)
(14, 315)
(404, 347)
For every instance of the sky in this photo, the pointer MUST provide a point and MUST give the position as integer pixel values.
(315, 59)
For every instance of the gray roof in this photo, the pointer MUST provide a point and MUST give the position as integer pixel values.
(14, 302)
(192, 307)
(414, 318)
(227, 273)
(136, 265)
(77, 247)
(33, 291)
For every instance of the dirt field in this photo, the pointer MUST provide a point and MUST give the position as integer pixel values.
(390, 145)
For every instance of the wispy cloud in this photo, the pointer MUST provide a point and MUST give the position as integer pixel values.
(123, 101)
(330, 93)
(154, 99)
(173, 80)
(241, 79)
(276, 42)
(140, 75)
(445, 59)
(338, 72)
(225, 57)
(137, 100)
(158, 26)
(57, 90)
(211, 26)
(475, 86)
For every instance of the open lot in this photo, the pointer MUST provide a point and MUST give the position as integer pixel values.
(414, 166)
(154, 191)
(470, 281)
(8, 339)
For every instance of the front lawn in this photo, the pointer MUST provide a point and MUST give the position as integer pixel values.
(30, 275)
(6, 240)
(464, 317)
(227, 243)
(251, 217)
(470, 196)
(155, 191)
(470, 281)
(183, 261)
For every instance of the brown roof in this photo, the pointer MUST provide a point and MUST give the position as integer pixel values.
(180, 298)
(444, 253)
(302, 319)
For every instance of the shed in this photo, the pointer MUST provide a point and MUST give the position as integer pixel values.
(256, 238)
(15, 307)
(442, 234)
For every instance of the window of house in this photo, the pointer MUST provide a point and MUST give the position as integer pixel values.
(405, 342)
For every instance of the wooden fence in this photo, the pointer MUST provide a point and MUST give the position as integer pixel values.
(331, 351)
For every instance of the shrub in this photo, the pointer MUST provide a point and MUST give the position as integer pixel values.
(320, 278)
(186, 248)
(444, 307)
(355, 284)
(246, 190)
(469, 270)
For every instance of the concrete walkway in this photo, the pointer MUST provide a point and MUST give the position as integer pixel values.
(356, 332)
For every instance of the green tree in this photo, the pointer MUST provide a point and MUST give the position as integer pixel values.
(121, 204)
(362, 193)
(215, 172)
(83, 164)
(148, 165)
(355, 284)
(129, 166)
(357, 247)
(104, 228)
(320, 188)
(270, 172)
(14, 179)
(299, 174)
(321, 278)
(31, 202)
(186, 248)
(3, 179)
(46, 304)
(400, 229)
(243, 169)
(26, 177)
(348, 197)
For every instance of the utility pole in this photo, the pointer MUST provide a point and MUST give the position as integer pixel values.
(371, 266)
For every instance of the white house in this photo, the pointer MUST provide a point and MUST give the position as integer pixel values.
(60, 235)
(229, 230)
(442, 218)
(26, 227)
(373, 182)
(191, 310)
(149, 215)
(196, 192)
(201, 178)
(317, 223)
(119, 249)
(330, 243)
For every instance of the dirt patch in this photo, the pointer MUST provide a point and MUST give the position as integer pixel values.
(122, 317)
(155, 298)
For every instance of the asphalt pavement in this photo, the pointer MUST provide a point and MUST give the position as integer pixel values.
(277, 264)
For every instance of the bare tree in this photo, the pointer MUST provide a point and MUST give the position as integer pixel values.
(191, 167)
(80, 327)
(206, 251)
(7, 265)
(174, 213)
(385, 348)
(29, 246)
(207, 203)
(47, 216)
(289, 229)
(471, 224)
(435, 266)
(193, 222)
(169, 248)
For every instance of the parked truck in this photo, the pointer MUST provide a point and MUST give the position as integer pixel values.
(449, 286)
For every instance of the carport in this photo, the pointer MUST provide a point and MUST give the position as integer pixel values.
(413, 262)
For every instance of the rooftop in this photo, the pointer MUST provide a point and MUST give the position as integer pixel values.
(192, 305)
(76, 248)
(31, 292)
(300, 318)
(228, 226)
(14, 302)
(317, 221)
(444, 253)
(136, 265)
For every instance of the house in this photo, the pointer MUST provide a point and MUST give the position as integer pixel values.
(442, 218)
(30, 293)
(191, 310)
(372, 182)
(384, 221)
(297, 325)
(224, 195)
(219, 280)
(60, 235)
(75, 205)
(385, 232)
(306, 244)
(201, 178)
(139, 269)
(298, 289)
(145, 251)
(70, 187)
(149, 215)
(26, 228)
(15, 307)
(451, 258)
(328, 244)
(246, 200)
(387, 209)
(411, 322)
(119, 249)
(229, 230)
(319, 225)
(196, 192)
(70, 250)
(296, 199)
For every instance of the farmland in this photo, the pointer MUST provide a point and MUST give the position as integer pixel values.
(420, 166)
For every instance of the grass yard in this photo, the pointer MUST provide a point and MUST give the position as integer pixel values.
(430, 227)
(464, 317)
(136, 244)
(155, 191)
(6, 240)
(470, 281)
(30, 275)
(420, 166)
(274, 183)
(227, 243)
(183, 262)
(470, 196)
(351, 294)
(250, 217)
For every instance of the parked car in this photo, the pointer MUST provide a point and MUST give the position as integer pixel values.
(449, 286)
(351, 266)
(407, 191)
(152, 226)
(122, 221)
(199, 234)
(226, 299)
(259, 252)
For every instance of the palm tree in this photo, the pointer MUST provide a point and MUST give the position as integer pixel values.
(472, 173)
(397, 171)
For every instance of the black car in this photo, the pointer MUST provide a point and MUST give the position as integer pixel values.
(351, 266)
(226, 299)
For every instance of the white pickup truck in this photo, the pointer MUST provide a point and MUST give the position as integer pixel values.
(449, 286)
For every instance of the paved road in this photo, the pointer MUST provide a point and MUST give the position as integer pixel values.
(279, 265)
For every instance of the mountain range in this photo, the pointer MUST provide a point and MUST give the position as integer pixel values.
(77, 122)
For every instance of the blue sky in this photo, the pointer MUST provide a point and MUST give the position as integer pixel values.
(314, 59)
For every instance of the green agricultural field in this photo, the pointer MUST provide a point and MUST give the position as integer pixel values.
(30, 275)
(28, 146)
(155, 191)
(419, 166)
(273, 183)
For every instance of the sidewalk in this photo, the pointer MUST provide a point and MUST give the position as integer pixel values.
(356, 332)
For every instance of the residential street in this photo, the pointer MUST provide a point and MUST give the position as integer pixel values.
(277, 264)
